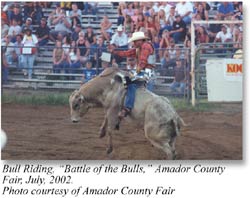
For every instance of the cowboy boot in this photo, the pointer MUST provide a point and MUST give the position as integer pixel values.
(123, 113)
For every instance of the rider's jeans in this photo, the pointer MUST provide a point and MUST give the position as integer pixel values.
(130, 97)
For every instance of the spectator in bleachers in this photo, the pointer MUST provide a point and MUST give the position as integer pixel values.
(90, 36)
(83, 49)
(238, 11)
(90, 8)
(224, 35)
(135, 16)
(14, 30)
(153, 26)
(66, 45)
(4, 67)
(75, 15)
(202, 35)
(59, 59)
(238, 37)
(128, 24)
(88, 73)
(30, 43)
(119, 40)
(156, 43)
(66, 5)
(201, 11)
(131, 64)
(179, 29)
(27, 25)
(62, 23)
(4, 29)
(9, 50)
(105, 59)
(120, 18)
(18, 56)
(74, 59)
(169, 58)
(170, 17)
(225, 11)
(179, 78)
(141, 22)
(129, 10)
(76, 31)
(37, 13)
(101, 47)
(42, 33)
(106, 29)
(161, 18)
(164, 43)
(16, 15)
(4, 16)
(185, 10)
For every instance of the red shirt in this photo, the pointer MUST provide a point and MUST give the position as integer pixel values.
(141, 54)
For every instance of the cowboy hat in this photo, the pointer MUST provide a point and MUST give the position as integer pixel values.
(119, 28)
(137, 36)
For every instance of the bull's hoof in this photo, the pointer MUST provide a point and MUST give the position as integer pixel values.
(102, 133)
(109, 150)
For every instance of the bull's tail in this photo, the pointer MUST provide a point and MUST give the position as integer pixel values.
(182, 122)
(177, 127)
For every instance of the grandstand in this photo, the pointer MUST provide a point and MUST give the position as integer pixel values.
(44, 77)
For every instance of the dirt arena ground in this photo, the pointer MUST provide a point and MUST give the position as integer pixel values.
(46, 133)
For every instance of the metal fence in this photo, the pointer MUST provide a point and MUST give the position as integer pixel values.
(43, 74)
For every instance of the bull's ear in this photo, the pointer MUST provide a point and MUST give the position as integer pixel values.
(82, 98)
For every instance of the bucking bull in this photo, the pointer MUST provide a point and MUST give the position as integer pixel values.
(153, 113)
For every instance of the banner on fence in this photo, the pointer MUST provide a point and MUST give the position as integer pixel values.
(224, 80)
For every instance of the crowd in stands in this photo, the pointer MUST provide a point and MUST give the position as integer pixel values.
(166, 24)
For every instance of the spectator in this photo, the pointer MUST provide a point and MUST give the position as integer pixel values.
(106, 30)
(5, 29)
(74, 59)
(120, 41)
(131, 64)
(129, 10)
(201, 11)
(170, 18)
(62, 23)
(225, 11)
(179, 29)
(141, 22)
(90, 36)
(16, 15)
(5, 65)
(169, 58)
(88, 73)
(238, 11)
(105, 58)
(59, 60)
(237, 37)
(75, 15)
(161, 18)
(66, 45)
(37, 13)
(27, 25)
(42, 33)
(152, 26)
(90, 6)
(121, 18)
(135, 16)
(14, 30)
(224, 35)
(128, 24)
(100, 48)
(9, 50)
(30, 43)
(179, 78)
(83, 49)
(213, 29)
(18, 55)
(76, 31)
(202, 35)
(185, 10)
(164, 43)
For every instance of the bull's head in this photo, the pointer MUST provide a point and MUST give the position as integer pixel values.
(78, 106)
